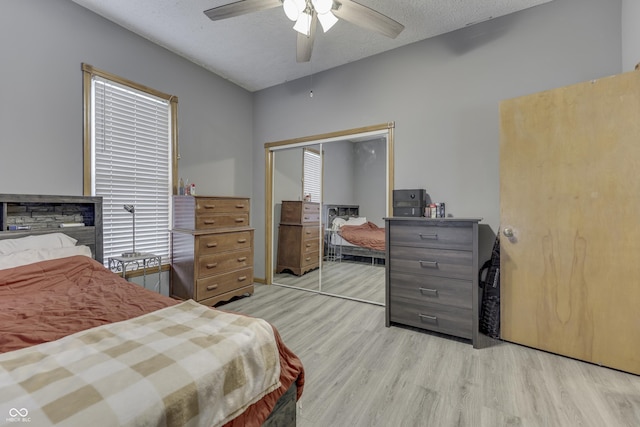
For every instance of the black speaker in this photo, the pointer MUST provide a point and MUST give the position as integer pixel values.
(410, 202)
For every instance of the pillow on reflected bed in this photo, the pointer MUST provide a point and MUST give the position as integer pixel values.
(354, 220)
(29, 256)
(43, 241)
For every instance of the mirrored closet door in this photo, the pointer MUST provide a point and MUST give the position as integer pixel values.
(328, 197)
(354, 189)
(297, 244)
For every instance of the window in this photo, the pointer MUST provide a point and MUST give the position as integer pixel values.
(312, 174)
(129, 160)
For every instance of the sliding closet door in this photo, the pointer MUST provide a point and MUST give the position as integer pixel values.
(295, 241)
(356, 176)
(569, 191)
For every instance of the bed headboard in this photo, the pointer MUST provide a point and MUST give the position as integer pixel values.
(331, 212)
(79, 217)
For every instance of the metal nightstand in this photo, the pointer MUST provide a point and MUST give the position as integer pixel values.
(144, 262)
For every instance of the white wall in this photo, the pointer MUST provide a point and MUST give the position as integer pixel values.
(338, 173)
(444, 96)
(370, 181)
(630, 34)
(43, 43)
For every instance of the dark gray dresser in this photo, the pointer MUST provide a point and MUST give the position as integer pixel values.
(432, 275)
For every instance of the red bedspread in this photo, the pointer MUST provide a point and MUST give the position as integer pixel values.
(47, 300)
(367, 235)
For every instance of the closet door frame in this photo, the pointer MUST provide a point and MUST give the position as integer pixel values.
(385, 130)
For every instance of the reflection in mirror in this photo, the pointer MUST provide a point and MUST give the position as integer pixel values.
(355, 175)
(296, 217)
(354, 205)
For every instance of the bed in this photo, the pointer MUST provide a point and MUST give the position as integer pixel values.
(348, 234)
(79, 345)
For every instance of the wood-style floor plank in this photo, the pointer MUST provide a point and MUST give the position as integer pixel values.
(360, 373)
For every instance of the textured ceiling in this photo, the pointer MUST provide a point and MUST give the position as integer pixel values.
(257, 51)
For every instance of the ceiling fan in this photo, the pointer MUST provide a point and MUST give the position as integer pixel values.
(307, 13)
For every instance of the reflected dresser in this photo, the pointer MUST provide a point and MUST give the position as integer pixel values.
(299, 237)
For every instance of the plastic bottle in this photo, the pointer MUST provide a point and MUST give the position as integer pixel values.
(181, 187)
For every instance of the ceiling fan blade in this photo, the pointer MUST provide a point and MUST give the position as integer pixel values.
(240, 8)
(304, 45)
(368, 18)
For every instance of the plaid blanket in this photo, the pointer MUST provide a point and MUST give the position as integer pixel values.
(185, 365)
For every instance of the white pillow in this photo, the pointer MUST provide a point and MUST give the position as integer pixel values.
(356, 221)
(337, 223)
(42, 241)
(30, 256)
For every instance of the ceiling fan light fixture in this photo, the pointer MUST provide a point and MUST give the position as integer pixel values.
(303, 24)
(322, 6)
(327, 20)
(291, 9)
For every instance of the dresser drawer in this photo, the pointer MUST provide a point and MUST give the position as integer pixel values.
(211, 221)
(431, 289)
(224, 262)
(208, 205)
(221, 283)
(310, 232)
(219, 242)
(300, 212)
(432, 235)
(433, 262)
(309, 259)
(432, 316)
(310, 245)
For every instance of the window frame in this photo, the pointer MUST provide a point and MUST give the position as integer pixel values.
(88, 73)
(320, 174)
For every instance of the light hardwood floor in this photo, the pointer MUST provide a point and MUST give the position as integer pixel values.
(363, 281)
(359, 373)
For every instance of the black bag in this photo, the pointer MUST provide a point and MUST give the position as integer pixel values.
(490, 307)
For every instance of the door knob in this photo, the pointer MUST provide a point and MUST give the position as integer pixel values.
(508, 232)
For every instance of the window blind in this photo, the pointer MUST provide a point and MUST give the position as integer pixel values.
(312, 174)
(131, 164)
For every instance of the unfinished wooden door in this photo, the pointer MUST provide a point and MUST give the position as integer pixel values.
(570, 201)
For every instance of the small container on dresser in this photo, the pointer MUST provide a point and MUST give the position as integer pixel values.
(299, 237)
(432, 275)
(212, 248)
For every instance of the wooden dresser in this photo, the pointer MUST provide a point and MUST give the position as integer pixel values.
(432, 275)
(212, 248)
(299, 237)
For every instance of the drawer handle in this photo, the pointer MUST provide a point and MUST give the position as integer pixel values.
(209, 221)
(242, 259)
(240, 206)
(308, 245)
(307, 232)
(212, 287)
(307, 259)
(432, 291)
(433, 236)
(430, 264)
(242, 278)
(431, 318)
(209, 206)
(239, 219)
(212, 245)
(212, 265)
(242, 240)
